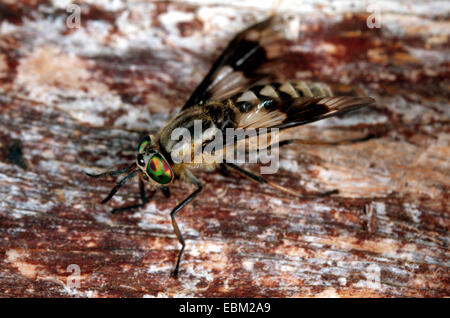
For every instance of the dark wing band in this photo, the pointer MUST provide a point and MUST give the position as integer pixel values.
(287, 104)
(261, 121)
(248, 58)
(307, 110)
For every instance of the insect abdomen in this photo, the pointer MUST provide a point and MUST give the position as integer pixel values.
(265, 96)
(269, 105)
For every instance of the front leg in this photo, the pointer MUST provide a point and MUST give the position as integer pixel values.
(176, 210)
(131, 207)
(224, 171)
(166, 191)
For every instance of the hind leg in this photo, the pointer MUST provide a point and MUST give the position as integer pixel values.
(260, 179)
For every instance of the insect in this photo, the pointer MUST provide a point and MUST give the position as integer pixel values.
(236, 93)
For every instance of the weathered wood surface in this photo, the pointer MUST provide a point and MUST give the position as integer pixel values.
(131, 65)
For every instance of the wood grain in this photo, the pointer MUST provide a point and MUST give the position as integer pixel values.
(77, 100)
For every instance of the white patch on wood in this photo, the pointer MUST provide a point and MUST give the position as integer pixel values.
(373, 278)
(412, 211)
(328, 293)
(248, 265)
(171, 19)
(14, 257)
(276, 202)
(289, 165)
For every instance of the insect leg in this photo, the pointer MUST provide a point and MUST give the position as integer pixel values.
(224, 170)
(166, 191)
(277, 186)
(111, 173)
(130, 207)
(328, 143)
(131, 175)
(174, 213)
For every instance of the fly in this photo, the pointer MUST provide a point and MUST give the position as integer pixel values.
(236, 93)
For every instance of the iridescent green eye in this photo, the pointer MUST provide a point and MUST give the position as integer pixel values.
(143, 143)
(159, 170)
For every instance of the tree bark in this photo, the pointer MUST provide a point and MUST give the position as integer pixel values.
(77, 99)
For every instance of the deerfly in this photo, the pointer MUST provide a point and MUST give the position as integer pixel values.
(237, 93)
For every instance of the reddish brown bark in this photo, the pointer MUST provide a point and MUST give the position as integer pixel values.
(127, 69)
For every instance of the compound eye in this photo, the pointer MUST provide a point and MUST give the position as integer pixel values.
(140, 160)
(143, 143)
(159, 170)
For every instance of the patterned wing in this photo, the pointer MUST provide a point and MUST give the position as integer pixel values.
(276, 105)
(250, 57)
(284, 106)
(290, 104)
